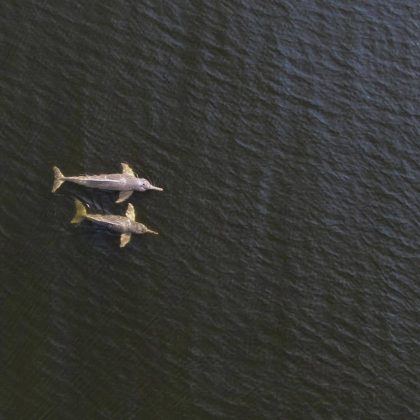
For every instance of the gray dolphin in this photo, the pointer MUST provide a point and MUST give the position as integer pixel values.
(126, 225)
(127, 182)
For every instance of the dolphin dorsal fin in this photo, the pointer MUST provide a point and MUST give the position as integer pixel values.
(127, 170)
(130, 213)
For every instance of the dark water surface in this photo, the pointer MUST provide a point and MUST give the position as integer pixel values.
(285, 283)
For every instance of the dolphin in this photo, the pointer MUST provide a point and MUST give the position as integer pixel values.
(126, 182)
(126, 225)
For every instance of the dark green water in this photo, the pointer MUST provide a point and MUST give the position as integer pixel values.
(284, 283)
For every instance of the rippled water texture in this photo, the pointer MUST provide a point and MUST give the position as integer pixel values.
(285, 280)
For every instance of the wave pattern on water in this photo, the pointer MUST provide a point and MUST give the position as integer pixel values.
(284, 280)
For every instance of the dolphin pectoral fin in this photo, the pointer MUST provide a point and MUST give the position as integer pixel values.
(127, 170)
(123, 196)
(125, 239)
(131, 213)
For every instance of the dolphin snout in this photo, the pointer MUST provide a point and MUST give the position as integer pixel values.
(152, 231)
(152, 187)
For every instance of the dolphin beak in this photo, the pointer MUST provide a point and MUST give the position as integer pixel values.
(152, 187)
(152, 231)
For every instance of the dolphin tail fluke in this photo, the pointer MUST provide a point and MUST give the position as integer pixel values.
(58, 179)
(80, 212)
